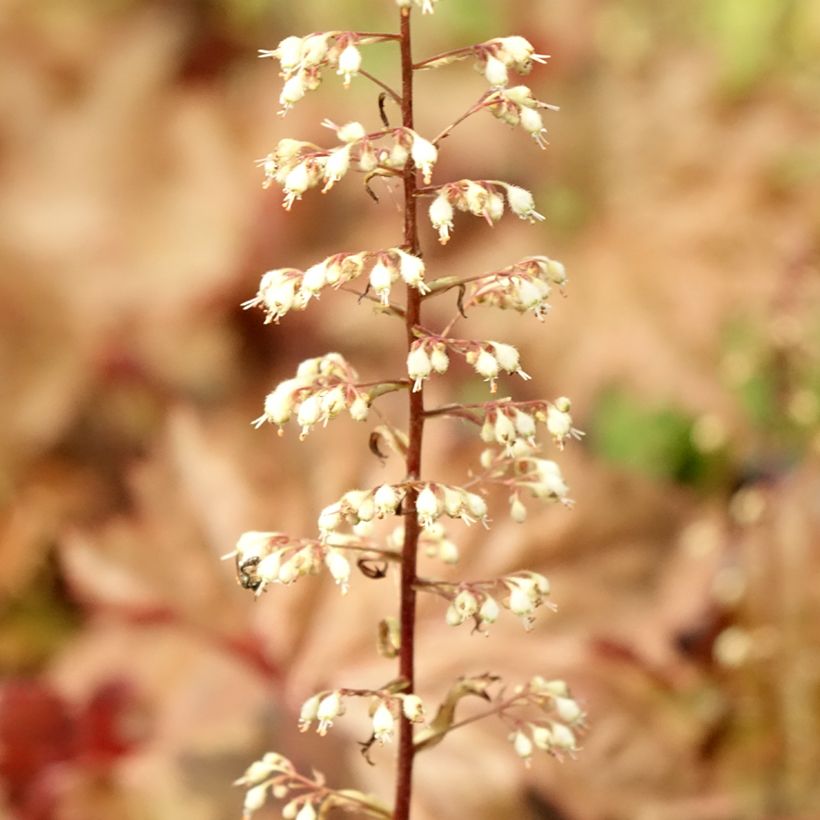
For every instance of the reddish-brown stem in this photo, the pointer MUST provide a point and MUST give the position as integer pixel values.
(407, 614)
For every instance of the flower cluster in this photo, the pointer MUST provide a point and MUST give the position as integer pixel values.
(324, 707)
(265, 558)
(523, 592)
(555, 732)
(308, 798)
(298, 166)
(513, 425)
(361, 508)
(302, 59)
(285, 289)
(480, 198)
(518, 106)
(429, 355)
(524, 286)
(322, 388)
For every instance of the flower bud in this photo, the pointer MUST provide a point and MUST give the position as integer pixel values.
(268, 568)
(330, 518)
(542, 737)
(518, 512)
(453, 501)
(255, 798)
(488, 613)
(453, 617)
(508, 358)
(448, 552)
(359, 408)
(465, 604)
(568, 710)
(504, 429)
(413, 708)
(307, 812)
(439, 359)
(563, 738)
(522, 745)
(314, 278)
(486, 365)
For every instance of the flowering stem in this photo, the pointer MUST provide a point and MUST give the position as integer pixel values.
(407, 615)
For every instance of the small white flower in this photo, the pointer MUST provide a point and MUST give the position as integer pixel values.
(279, 404)
(465, 604)
(476, 506)
(314, 278)
(563, 738)
(307, 812)
(267, 570)
(441, 217)
(521, 604)
(494, 209)
(383, 723)
(310, 411)
(386, 500)
(542, 737)
(533, 124)
(504, 430)
(522, 745)
(559, 423)
(292, 91)
(381, 278)
(453, 617)
(255, 798)
(413, 708)
(522, 203)
(314, 49)
(428, 507)
(508, 359)
(359, 408)
(567, 709)
(297, 181)
(453, 501)
(518, 512)
(336, 167)
(351, 132)
(496, 72)
(339, 568)
(289, 52)
(439, 359)
(489, 611)
(330, 518)
(350, 61)
(448, 552)
(329, 708)
(424, 155)
(411, 270)
(556, 272)
(419, 365)
(486, 365)
(307, 714)
(519, 52)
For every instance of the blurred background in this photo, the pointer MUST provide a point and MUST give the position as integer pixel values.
(681, 190)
